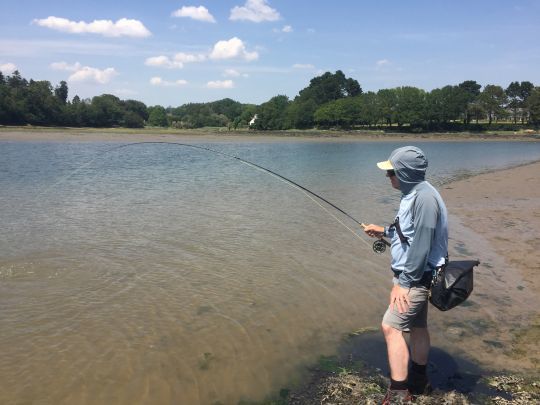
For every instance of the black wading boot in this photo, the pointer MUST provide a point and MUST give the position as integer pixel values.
(418, 383)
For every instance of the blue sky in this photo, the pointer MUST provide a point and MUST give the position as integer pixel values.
(172, 52)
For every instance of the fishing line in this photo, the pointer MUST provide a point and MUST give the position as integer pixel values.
(379, 246)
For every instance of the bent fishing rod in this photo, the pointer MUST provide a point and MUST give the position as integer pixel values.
(379, 246)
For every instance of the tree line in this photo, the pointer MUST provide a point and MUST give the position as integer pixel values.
(331, 100)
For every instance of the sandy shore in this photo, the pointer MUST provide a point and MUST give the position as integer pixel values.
(495, 217)
(223, 135)
(504, 207)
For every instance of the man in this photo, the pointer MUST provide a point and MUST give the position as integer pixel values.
(419, 244)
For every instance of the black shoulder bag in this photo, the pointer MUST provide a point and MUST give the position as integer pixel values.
(452, 283)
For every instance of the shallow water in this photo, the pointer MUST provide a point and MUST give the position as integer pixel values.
(157, 273)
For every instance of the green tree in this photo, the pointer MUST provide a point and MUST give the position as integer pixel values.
(272, 114)
(493, 99)
(136, 107)
(343, 113)
(61, 92)
(533, 105)
(476, 111)
(105, 111)
(132, 120)
(247, 114)
(300, 114)
(411, 104)
(15, 81)
(513, 93)
(328, 87)
(227, 107)
(446, 105)
(387, 103)
(321, 89)
(370, 113)
(157, 116)
(472, 90)
(41, 107)
(5, 101)
(526, 89)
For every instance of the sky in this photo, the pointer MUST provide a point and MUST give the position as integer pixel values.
(170, 52)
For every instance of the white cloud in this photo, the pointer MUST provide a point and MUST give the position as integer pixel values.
(231, 73)
(65, 66)
(189, 57)
(234, 48)
(303, 66)
(158, 81)
(255, 11)
(122, 27)
(90, 74)
(7, 68)
(86, 73)
(286, 29)
(234, 73)
(197, 13)
(177, 62)
(163, 61)
(220, 84)
(383, 62)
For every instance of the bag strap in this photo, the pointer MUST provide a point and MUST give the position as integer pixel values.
(396, 226)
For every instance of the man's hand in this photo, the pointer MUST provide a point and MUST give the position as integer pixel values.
(399, 297)
(375, 231)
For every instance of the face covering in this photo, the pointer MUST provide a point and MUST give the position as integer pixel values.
(410, 164)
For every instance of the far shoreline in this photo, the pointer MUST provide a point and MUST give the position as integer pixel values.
(69, 134)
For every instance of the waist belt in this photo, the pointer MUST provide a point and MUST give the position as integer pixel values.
(425, 281)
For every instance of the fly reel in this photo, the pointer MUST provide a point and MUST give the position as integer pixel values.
(379, 246)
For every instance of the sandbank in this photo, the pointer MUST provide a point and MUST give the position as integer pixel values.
(33, 134)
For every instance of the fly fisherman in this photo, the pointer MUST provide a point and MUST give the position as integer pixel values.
(419, 244)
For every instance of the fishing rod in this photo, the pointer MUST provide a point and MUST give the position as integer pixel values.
(379, 246)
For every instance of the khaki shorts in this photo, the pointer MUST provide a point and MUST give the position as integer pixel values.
(415, 317)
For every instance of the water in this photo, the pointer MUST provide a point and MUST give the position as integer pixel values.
(165, 274)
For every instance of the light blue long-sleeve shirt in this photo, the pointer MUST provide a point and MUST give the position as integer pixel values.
(423, 220)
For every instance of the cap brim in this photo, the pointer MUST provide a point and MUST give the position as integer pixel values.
(386, 165)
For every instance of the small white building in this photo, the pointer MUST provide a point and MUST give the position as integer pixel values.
(253, 120)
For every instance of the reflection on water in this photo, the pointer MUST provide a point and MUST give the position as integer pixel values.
(162, 274)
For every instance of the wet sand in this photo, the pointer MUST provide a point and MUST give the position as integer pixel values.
(504, 207)
(223, 135)
(495, 217)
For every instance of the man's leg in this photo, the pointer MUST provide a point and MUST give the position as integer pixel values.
(398, 352)
(393, 325)
(420, 344)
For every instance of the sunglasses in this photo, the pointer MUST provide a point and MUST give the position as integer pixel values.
(390, 173)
